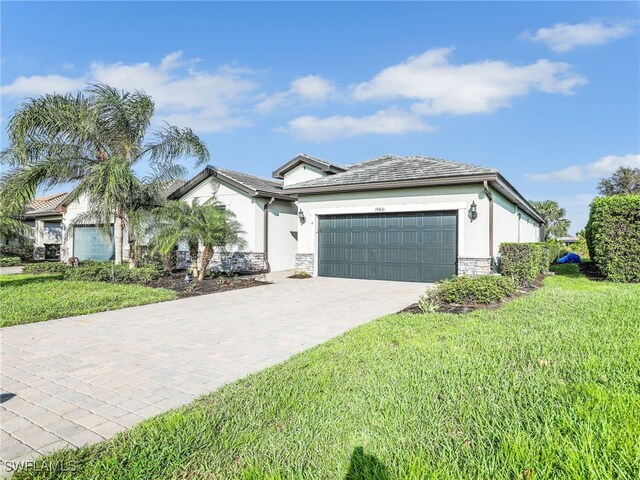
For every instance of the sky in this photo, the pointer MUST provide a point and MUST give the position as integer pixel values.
(548, 93)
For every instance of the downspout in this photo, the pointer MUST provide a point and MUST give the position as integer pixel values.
(487, 191)
(267, 267)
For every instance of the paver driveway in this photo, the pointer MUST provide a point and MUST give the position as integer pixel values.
(81, 380)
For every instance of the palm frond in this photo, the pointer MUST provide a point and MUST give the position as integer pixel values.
(172, 143)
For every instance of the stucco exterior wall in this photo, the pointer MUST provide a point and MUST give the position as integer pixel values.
(250, 213)
(511, 224)
(248, 210)
(283, 235)
(302, 173)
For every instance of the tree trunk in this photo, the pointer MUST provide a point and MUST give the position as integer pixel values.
(207, 254)
(133, 263)
(193, 252)
(118, 234)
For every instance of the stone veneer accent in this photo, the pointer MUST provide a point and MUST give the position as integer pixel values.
(304, 261)
(38, 253)
(238, 262)
(474, 266)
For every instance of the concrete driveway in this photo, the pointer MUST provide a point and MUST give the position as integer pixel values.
(80, 380)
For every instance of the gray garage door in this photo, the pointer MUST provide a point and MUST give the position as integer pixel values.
(415, 246)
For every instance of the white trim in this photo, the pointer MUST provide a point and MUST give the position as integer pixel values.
(413, 207)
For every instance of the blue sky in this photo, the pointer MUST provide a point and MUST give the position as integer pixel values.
(548, 93)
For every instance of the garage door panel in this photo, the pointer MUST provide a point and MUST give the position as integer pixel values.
(416, 246)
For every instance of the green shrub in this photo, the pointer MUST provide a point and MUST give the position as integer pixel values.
(580, 247)
(25, 252)
(46, 267)
(92, 271)
(613, 236)
(108, 272)
(468, 290)
(522, 261)
(544, 256)
(10, 261)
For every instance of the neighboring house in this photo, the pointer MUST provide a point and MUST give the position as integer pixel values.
(568, 240)
(44, 215)
(392, 218)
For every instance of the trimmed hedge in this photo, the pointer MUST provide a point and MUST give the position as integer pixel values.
(10, 261)
(523, 261)
(613, 236)
(468, 290)
(25, 252)
(91, 271)
(45, 267)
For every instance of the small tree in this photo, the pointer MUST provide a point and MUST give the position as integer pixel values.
(96, 139)
(624, 181)
(207, 224)
(553, 214)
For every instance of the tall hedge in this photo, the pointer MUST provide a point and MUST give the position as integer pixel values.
(523, 261)
(613, 236)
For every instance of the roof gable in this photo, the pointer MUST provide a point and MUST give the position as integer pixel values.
(251, 185)
(322, 165)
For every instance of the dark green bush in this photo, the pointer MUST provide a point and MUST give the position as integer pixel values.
(46, 267)
(613, 236)
(92, 271)
(468, 290)
(108, 272)
(25, 252)
(10, 261)
(523, 261)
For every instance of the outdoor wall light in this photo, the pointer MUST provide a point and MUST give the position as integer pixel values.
(473, 211)
(301, 216)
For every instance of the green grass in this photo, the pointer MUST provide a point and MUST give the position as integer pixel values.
(35, 298)
(545, 387)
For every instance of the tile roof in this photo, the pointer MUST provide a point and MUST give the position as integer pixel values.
(47, 204)
(253, 182)
(393, 168)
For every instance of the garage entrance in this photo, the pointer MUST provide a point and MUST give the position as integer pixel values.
(408, 246)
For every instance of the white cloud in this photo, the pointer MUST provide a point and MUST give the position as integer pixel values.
(41, 84)
(182, 93)
(563, 37)
(440, 87)
(310, 89)
(387, 122)
(602, 167)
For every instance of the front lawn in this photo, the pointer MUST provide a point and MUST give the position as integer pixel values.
(544, 387)
(34, 298)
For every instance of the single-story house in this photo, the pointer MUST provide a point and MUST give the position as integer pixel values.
(392, 218)
(44, 216)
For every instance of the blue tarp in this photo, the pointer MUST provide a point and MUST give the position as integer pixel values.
(569, 258)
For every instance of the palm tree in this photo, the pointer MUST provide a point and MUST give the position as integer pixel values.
(207, 224)
(94, 138)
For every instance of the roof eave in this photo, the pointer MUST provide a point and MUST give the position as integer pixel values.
(510, 192)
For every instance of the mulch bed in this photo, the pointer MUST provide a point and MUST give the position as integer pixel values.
(458, 308)
(209, 285)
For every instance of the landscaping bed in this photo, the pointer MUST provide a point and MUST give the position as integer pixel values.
(223, 283)
(544, 387)
(470, 306)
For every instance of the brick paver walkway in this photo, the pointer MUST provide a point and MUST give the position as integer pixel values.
(80, 380)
